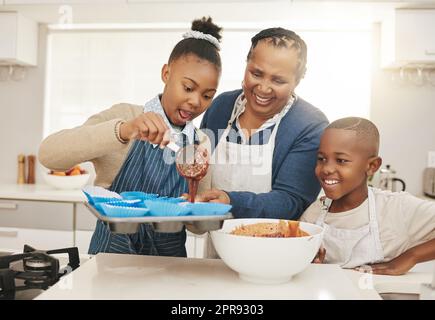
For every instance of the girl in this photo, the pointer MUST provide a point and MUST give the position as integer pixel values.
(122, 141)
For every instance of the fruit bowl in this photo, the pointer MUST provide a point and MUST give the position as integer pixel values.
(74, 178)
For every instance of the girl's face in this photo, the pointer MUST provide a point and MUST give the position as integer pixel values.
(270, 78)
(343, 165)
(190, 85)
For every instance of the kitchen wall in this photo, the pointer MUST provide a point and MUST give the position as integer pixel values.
(21, 107)
(405, 116)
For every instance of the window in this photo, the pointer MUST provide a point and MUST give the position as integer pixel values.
(89, 71)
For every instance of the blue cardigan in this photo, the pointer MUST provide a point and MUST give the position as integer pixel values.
(294, 184)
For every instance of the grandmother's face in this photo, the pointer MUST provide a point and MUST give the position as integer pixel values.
(270, 78)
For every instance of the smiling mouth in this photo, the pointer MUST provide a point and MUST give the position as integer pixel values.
(330, 182)
(262, 101)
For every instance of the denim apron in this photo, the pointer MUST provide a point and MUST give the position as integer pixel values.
(145, 169)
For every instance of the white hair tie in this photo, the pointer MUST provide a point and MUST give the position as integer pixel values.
(204, 36)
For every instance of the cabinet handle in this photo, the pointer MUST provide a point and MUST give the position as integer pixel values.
(8, 205)
(429, 52)
(9, 234)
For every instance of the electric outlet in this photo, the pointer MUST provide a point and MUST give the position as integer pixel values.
(431, 159)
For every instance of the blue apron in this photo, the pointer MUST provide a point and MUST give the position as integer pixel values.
(144, 170)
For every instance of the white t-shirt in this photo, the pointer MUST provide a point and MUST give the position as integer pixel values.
(405, 221)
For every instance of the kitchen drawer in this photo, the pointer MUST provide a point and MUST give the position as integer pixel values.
(36, 214)
(85, 220)
(15, 238)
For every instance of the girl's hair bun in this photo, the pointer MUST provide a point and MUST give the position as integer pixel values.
(201, 46)
(206, 25)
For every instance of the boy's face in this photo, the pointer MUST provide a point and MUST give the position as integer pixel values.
(190, 85)
(343, 165)
(270, 78)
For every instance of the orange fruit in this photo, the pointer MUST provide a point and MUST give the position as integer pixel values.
(59, 173)
(75, 172)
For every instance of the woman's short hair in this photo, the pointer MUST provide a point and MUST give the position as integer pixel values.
(281, 37)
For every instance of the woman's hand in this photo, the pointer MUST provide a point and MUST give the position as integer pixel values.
(148, 126)
(213, 195)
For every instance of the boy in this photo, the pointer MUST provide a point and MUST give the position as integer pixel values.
(391, 231)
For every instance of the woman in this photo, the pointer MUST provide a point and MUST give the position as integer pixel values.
(265, 137)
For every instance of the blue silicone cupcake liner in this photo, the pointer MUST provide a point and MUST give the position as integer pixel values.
(165, 209)
(208, 208)
(170, 199)
(99, 207)
(93, 199)
(127, 203)
(123, 212)
(132, 195)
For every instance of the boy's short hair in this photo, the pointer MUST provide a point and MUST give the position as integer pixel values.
(365, 130)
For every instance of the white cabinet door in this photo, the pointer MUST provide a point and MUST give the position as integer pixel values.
(82, 240)
(39, 224)
(195, 245)
(415, 41)
(190, 245)
(18, 39)
(200, 245)
(85, 220)
(407, 38)
(16, 238)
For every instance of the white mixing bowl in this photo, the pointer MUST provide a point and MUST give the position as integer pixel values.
(266, 260)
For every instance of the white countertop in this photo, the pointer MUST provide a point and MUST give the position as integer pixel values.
(407, 283)
(39, 192)
(116, 276)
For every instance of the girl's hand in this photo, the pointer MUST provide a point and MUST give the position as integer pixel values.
(148, 126)
(396, 267)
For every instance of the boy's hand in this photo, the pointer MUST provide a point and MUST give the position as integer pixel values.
(148, 126)
(320, 257)
(396, 267)
(403, 263)
(213, 195)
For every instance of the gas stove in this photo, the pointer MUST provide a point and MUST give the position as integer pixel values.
(25, 275)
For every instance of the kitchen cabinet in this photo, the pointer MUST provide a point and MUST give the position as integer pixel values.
(16, 238)
(44, 225)
(407, 39)
(82, 239)
(84, 227)
(18, 39)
